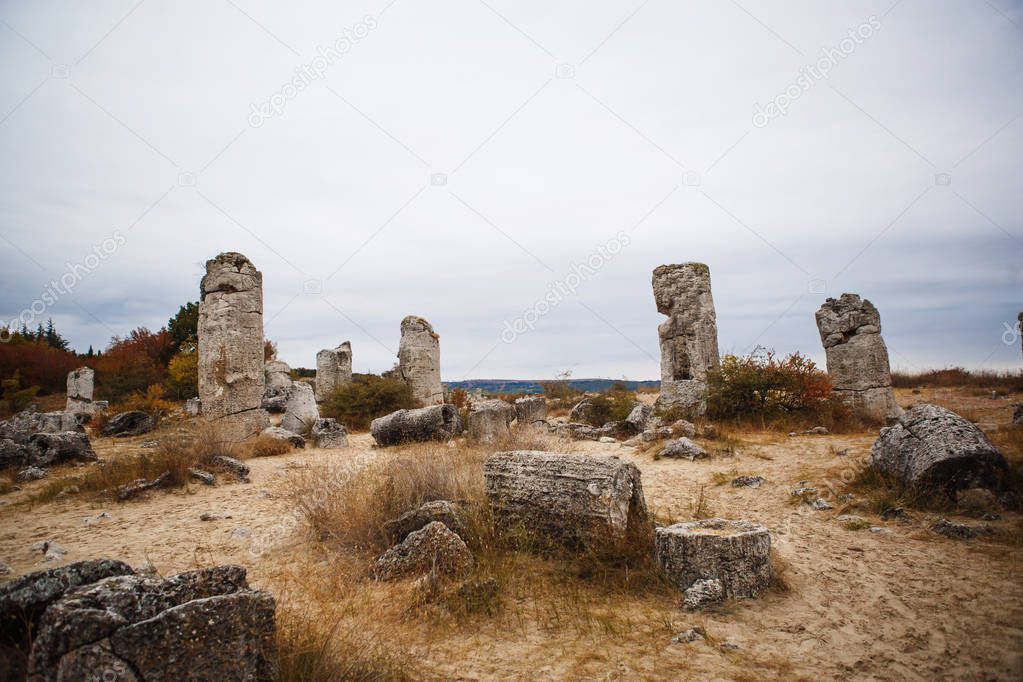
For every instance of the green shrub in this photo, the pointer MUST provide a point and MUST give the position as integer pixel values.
(368, 396)
(613, 405)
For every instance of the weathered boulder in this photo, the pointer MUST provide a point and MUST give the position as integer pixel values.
(301, 412)
(581, 411)
(443, 511)
(289, 437)
(1017, 416)
(638, 419)
(131, 423)
(683, 448)
(419, 360)
(437, 422)
(737, 553)
(703, 593)
(231, 354)
(29, 474)
(205, 624)
(435, 548)
(12, 453)
(857, 358)
(193, 407)
(23, 600)
(684, 428)
(333, 370)
(573, 499)
(490, 420)
(277, 377)
(328, 434)
(47, 449)
(689, 337)
(235, 466)
(531, 409)
(21, 427)
(140, 485)
(930, 447)
(571, 431)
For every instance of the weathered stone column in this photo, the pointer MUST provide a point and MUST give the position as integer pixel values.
(689, 337)
(80, 384)
(333, 370)
(850, 329)
(419, 360)
(231, 379)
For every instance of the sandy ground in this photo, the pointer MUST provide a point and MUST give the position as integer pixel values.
(898, 604)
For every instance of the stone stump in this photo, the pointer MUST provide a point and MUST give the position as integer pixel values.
(333, 370)
(419, 360)
(490, 420)
(689, 337)
(571, 499)
(857, 358)
(737, 553)
(277, 376)
(231, 366)
(531, 409)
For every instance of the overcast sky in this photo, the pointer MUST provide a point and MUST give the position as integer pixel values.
(462, 159)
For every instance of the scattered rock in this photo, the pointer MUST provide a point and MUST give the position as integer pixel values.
(301, 411)
(803, 489)
(51, 551)
(567, 498)
(289, 437)
(683, 448)
(98, 518)
(573, 431)
(581, 412)
(4, 569)
(895, 513)
(639, 418)
(960, 531)
(328, 434)
(439, 510)
(433, 548)
(703, 593)
(131, 423)
(730, 646)
(820, 504)
(193, 407)
(607, 439)
(747, 481)
(437, 422)
(129, 490)
(683, 428)
(737, 553)
(204, 477)
(710, 432)
(240, 532)
(693, 634)
(235, 466)
(490, 420)
(210, 516)
(1017, 416)
(31, 474)
(930, 447)
(149, 444)
(817, 431)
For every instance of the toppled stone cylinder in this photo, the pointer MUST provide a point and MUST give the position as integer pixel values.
(419, 360)
(437, 422)
(857, 358)
(231, 380)
(689, 337)
(570, 499)
(333, 370)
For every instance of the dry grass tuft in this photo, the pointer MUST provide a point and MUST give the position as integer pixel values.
(265, 446)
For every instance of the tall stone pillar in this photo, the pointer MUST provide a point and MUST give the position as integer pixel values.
(80, 385)
(689, 337)
(231, 378)
(850, 329)
(419, 360)
(333, 370)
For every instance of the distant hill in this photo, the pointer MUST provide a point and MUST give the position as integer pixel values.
(533, 386)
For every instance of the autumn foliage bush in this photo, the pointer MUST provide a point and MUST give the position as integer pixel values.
(759, 387)
(134, 363)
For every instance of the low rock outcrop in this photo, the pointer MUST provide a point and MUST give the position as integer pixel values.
(289, 437)
(531, 409)
(490, 420)
(439, 510)
(329, 434)
(435, 548)
(131, 423)
(47, 449)
(301, 412)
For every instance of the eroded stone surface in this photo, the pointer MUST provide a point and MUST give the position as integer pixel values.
(689, 337)
(333, 370)
(301, 412)
(80, 388)
(231, 366)
(567, 498)
(47, 449)
(737, 553)
(438, 422)
(131, 423)
(857, 358)
(531, 409)
(490, 420)
(329, 434)
(443, 511)
(277, 377)
(934, 448)
(435, 548)
(419, 360)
